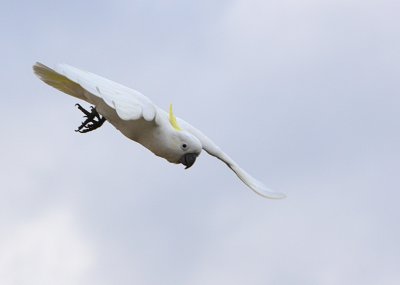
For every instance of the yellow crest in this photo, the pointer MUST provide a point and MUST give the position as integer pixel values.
(172, 119)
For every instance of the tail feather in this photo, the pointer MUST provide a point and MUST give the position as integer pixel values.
(58, 81)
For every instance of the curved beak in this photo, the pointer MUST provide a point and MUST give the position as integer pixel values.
(188, 159)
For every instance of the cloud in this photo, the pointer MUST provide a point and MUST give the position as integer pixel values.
(303, 95)
(47, 249)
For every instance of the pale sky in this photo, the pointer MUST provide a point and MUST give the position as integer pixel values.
(304, 95)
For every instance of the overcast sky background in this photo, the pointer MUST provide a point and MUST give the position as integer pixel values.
(304, 95)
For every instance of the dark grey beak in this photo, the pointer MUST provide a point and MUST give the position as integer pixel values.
(188, 159)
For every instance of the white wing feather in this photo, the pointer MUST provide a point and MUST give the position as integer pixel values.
(128, 103)
(210, 147)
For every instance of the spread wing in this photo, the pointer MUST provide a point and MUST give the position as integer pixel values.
(128, 103)
(211, 148)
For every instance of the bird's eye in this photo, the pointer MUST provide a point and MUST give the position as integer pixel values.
(184, 146)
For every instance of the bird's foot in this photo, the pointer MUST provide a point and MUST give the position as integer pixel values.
(93, 120)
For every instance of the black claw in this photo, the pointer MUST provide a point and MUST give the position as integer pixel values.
(83, 110)
(93, 120)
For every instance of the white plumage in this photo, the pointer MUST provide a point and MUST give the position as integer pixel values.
(139, 119)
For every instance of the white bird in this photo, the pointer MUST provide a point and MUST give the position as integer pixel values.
(139, 119)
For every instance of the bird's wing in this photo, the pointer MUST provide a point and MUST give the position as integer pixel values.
(210, 147)
(128, 103)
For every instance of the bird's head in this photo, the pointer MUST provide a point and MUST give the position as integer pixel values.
(187, 146)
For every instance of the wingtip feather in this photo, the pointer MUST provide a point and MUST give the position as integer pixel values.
(268, 193)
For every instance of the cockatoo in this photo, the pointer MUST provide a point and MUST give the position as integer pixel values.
(139, 119)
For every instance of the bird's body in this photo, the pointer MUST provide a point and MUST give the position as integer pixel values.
(140, 120)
